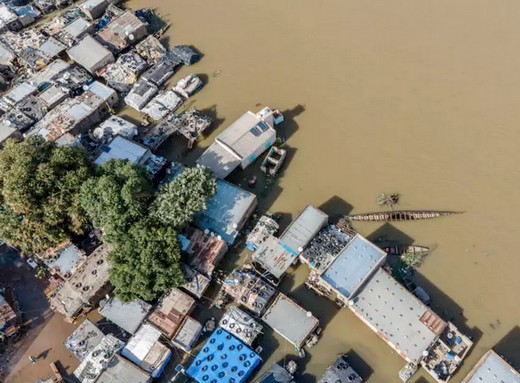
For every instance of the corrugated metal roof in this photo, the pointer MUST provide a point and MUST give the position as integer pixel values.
(90, 54)
(145, 350)
(274, 257)
(397, 316)
(353, 266)
(188, 334)
(220, 160)
(301, 231)
(226, 211)
(492, 369)
(247, 134)
(77, 28)
(119, 370)
(127, 315)
(122, 149)
(290, 320)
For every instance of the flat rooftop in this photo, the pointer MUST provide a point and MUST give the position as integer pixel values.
(274, 257)
(240, 324)
(277, 374)
(223, 359)
(128, 316)
(122, 149)
(492, 368)
(84, 339)
(340, 372)
(353, 266)
(303, 229)
(398, 317)
(290, 320)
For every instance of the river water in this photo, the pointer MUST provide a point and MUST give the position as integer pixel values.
(420, 98)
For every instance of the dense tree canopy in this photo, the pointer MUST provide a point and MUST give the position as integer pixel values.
(39, 193)
(118, 197)
(145, 263)
(178, 201)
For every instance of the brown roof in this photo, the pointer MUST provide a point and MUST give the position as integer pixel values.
(205, 251)
(171, 311)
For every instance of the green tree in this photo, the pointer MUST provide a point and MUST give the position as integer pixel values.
(118, 197)
(145, 262)
(39, 193)
(178, 202)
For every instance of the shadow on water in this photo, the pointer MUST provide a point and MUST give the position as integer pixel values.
(289, 126)
(388, 233)
(508, 347)
(336, 207)
(359, 365)
(447, 308)
(422, 380)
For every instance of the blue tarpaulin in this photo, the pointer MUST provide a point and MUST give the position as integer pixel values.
(223, 359)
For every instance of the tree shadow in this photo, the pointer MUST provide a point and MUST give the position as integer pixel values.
(359, 365)
(508, 347)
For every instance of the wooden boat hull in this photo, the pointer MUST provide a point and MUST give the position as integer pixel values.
(403, 215)
(400, 250)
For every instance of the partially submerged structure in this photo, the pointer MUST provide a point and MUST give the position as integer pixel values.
(85, 288)
(277, 374)
(223, 355)
(290, 320)
(145, 350)
(161, 105)
(353, 266)
(303, 229)
(98, 360)
(263, 230)
(273, 259)
(397, 316)
(249, 290)
(171, 311)
(126, 315)
(340, 372)
(90, 54)
(83, 340)
(64, 259)
(492, 368)
(241, 325)
(241, 143)
(124, 149)
(188, 334)
(196, 283)
(227, 211)
(204, 250)
(140, 94)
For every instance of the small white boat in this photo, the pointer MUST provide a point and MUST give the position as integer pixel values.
(188, 85)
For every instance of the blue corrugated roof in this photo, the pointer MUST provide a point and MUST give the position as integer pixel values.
(223, 359)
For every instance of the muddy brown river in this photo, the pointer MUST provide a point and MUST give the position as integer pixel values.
(420, 98)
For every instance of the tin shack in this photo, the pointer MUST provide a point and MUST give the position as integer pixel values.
(126, 315)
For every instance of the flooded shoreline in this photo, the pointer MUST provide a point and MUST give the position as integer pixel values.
(404, 97)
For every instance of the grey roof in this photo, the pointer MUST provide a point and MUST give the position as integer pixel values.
(158, 74)
(290, 320)
(33, 107)
(65, 260)
(120, 370)
(104, 92)
(227, 211)
(276, 374)
(96, 362)
(94, 8)
(240, 324)
(340, 372)
(52, 96)
(240, 138)
(301, 231)
(219, 159)
(141, 93)
(86, 282)
(353, 266)
(273, 256)
(78, 28)
(398, 317)
(188, 334)
(84, 339)
(20, 92)
(492, 369)
(90, 54)
(6, 131)
(128, 316)
(122, 149)
(52, 48)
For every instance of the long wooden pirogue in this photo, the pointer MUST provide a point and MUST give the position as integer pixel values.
(403, 215)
